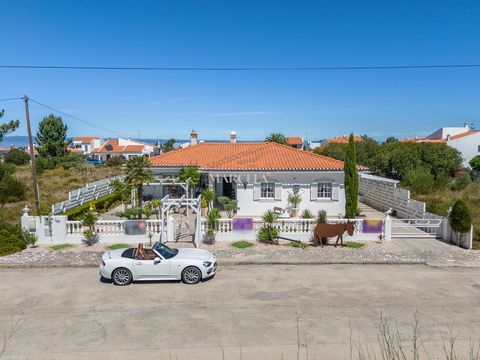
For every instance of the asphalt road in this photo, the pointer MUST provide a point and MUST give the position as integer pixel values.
(245, 312)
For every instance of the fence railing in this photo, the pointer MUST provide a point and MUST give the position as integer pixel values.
(91, 191)
(110, 227)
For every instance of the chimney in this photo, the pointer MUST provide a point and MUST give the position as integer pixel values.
(233, 137)
(193, 138)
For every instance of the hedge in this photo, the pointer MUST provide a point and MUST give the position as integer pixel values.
(101, 204)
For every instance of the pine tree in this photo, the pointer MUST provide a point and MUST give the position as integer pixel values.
(51, 136)
(351, 180)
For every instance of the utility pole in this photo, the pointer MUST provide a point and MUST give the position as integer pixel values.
(32, 157)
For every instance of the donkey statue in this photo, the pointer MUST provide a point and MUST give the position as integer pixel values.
(330, 230)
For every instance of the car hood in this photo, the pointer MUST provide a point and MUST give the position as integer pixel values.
(187, 253)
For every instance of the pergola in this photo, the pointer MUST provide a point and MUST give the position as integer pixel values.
(169, 203)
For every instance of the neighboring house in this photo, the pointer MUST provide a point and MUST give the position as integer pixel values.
(86, 144)
(126, 148)
(462, 138)
(295, 142)
(260, 176)
(341, 140)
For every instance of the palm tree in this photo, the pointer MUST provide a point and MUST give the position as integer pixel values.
(137, 173)
(209, 196)
(276, 137)
(192, 173)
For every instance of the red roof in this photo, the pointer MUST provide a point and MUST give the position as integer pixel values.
(85, 139)
(423, 140)
(294, 140)
(75, 150)
(343, 139)
(467, 133)
(246, 156)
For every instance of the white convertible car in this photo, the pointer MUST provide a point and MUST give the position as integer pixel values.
(158, 263)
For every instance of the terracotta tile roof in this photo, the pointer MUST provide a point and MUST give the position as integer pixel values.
(74, 150)
(423, 140)
(85, 139)
(467, 133)
(115, 148)
(246, 156)
(294, 140)
(343, 139)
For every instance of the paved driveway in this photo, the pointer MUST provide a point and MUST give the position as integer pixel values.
(260, 312)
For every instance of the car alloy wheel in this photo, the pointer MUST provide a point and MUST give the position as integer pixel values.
(122, 277)
(191, 275)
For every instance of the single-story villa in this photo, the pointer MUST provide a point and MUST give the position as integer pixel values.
(259, 175)
(125, 148)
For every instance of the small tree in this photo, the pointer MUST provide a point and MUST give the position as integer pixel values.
(192, 173)
(229, 205)
(269, 233)
(148, 210)
(156, 204)
(122, 191)
(150, 237)
(277, 138)
(475, 163)
(209, 196)
(460, 217)
(168, 146)
(88, 219)
(212, 224)
(351, 180)
(137, 173)
(51, 137)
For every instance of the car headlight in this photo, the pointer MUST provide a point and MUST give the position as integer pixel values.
(207, 263)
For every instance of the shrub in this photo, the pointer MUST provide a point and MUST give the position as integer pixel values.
(212, 224)
(29, 238)
(294, 200)
(11, 239)
(306, 214)
(420, 181)
(229, 205)
(269, 233)
(11, 190)
(322, 217)
(66, 162)
(475, 163)
(116, 161)
(460, 217)
(16, 157)
(90, 237)
(461, 182)
(242, 244)
(130, 213)
(101, 204)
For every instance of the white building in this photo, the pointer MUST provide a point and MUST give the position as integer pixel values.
(462, 138)
(126, 148)
(85, 144)
(260, 176)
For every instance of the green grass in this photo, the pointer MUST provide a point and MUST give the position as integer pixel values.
(353, 245)
(118, 246)
(242, 244)
(298, 245)
(61, 247)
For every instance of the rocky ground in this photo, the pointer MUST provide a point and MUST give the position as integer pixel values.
(392, 252)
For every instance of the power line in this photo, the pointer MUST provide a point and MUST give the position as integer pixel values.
(268, 68)
(17, 98)
(75, 117)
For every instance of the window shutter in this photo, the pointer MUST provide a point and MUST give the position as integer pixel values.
(278, 191)
(335, 186)
(314, 191)
(256, 191)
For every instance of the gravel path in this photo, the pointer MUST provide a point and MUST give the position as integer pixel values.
(371, 252)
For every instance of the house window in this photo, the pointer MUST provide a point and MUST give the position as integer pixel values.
(324, 190)
(267, 190)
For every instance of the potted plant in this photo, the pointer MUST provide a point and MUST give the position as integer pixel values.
(294, 200)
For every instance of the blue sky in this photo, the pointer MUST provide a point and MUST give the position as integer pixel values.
(244, 33)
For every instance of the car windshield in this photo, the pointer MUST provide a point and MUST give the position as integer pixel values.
(164, 250)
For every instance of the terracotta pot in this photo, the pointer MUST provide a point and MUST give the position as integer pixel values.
(294, 212)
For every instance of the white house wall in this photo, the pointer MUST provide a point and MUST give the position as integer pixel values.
(249, 206)
(468, 146)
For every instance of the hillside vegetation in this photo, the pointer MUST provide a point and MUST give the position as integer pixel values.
(54, 186)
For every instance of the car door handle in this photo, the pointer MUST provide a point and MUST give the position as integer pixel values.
(138, 263)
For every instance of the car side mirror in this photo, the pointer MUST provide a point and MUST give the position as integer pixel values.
(157, 260)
